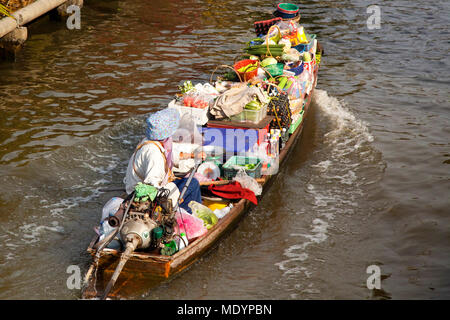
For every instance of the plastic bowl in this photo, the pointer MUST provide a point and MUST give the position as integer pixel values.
(214, 153)
(288, 8)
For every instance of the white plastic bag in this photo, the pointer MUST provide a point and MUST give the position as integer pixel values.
(187, 131)
(111, 207)
(248, 182)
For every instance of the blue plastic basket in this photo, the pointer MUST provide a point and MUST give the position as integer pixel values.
(306, 46)
(297, 70)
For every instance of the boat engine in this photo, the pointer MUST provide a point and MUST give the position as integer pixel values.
(148, 224)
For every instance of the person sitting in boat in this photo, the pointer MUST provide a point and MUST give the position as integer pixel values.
(152, 161)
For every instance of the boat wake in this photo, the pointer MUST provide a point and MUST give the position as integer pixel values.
(58, 195)
(336, 180)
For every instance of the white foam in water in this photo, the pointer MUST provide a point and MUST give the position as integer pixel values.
(31, 232)
(334, 185)
(343, 119)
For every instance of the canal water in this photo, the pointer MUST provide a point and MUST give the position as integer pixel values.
(368, 184)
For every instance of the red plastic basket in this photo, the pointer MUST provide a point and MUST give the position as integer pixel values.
(246, 75)
(262, 27)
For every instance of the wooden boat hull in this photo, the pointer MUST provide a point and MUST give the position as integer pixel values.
(146, 267)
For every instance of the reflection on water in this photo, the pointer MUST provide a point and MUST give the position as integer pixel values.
(367, 184)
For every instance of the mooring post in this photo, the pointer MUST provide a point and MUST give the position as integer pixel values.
(12, 42)
(60, 12)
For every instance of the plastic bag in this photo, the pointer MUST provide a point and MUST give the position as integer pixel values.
(111, 207)
(200, 96)
(187, 131)
(248, 182)
(145, 192)
(204, 213)
(189, 224)
(206, 89)
(296, 89)
(288, 27)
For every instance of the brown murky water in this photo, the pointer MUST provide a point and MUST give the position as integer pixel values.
(368, 183)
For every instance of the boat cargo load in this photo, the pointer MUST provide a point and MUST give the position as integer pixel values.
(240, 126)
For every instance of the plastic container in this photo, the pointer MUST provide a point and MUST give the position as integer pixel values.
(220, 213)
(214, 154)
(288, 8)
(297, 70)
(232, 166)
(262, 27)
(302, 47)
(215, 205)
(275, 70)
(199, 116)
(254, 116)
(182, 241)
(209, 170)
(247, 75)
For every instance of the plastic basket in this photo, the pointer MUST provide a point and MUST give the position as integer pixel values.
(297, 70)
(275, 70)
(231, 167)
(247, 115)
(306, 46)
(246, 75)
(262, 27)
(199, 116)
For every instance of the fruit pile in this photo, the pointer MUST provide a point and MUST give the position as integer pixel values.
(194, 102)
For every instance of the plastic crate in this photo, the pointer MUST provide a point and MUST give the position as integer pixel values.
(306, 46)
(231, 167)
(254, 116)
(199, 116)
(262, 27)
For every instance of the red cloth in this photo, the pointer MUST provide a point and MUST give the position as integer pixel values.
(233, 190)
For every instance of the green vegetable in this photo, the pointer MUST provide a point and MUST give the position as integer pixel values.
(253, 105)
(288, 84)
(275, 49)
(187, 86)
(282, 83)
(268, 61)
(230, 76)
(248, 68)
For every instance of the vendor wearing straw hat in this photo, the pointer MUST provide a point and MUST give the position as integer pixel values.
(152, 161)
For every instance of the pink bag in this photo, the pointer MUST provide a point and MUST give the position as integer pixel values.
(192, 226)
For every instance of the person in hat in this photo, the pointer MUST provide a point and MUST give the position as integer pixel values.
(152, 161)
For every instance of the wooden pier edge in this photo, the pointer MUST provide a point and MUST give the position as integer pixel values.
(13, 31)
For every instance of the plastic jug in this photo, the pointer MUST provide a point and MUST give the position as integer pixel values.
(182, 242)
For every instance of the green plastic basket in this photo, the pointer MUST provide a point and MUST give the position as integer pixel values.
(231, 167)
(275, 70)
